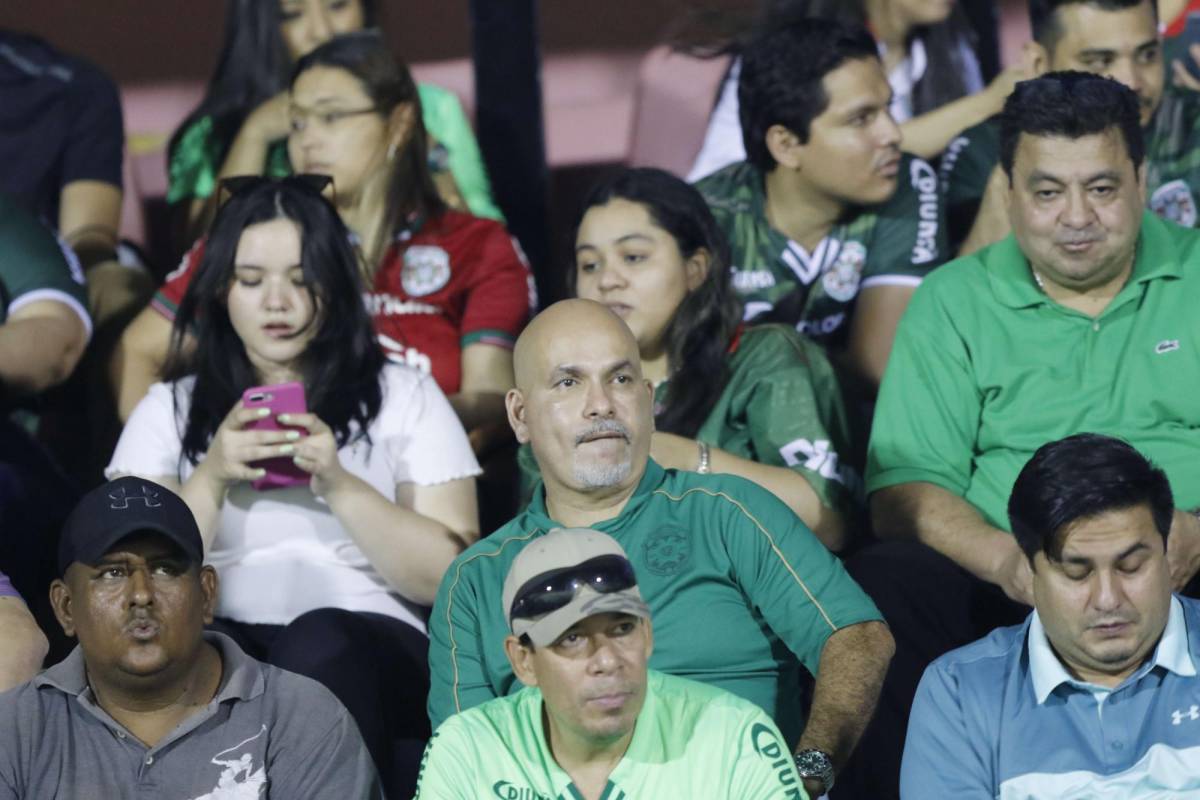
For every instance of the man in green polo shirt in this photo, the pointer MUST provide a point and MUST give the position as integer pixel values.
(1117, 38)
(742, 592)
(1083, 320)
(593, 722)
(830, 226)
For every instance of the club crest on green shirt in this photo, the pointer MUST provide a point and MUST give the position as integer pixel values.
(668, 550)
(842, 278)
(1174, 201)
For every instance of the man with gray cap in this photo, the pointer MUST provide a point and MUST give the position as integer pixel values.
(149, 705)
(593, 721)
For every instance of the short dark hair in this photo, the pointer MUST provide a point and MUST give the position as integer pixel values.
(1079, 477)
(1070, 104)
(782, 73)
(1047, 27)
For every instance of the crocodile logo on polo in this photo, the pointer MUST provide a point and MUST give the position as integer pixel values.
(667, 550)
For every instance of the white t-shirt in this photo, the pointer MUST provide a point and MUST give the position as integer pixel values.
(282, 552)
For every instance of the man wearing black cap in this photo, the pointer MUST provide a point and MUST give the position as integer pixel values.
(593, 722)
(148, 705)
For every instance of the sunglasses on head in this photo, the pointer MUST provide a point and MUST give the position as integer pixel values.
(236, 184)
(552, 590)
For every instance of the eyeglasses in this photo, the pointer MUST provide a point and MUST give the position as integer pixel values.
(237, 184)
(298, 118)
(552, 590)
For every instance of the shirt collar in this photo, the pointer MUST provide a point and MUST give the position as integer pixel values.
(1013, 283)
(1171, 653)
(651, 478)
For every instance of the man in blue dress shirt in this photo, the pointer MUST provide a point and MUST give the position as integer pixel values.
(1096, 693)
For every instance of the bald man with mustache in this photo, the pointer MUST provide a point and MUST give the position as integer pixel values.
(743, 594)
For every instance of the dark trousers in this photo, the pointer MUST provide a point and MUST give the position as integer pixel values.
(376, 665)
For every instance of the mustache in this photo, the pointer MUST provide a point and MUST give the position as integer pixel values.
(602, 427)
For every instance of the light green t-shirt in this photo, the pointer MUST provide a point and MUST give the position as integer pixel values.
(986, 369)
(713, 553)
(691, 741)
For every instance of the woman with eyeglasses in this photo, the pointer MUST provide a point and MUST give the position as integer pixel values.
(241, 125)
(760, 402)
(326, 569)
(448, 292)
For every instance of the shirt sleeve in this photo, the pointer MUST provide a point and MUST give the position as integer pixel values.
(425, 441)
(150, 443)
(910, 233)
(336, 765)
(458, 677)
(763, 766)
(927, 413)
(6, 587)
(192, 165)
(941, 756)
(37, 266)
(167, 299)
(799, 587)
(501, 294)
(442, 775)
(96, 141)
(447, 123)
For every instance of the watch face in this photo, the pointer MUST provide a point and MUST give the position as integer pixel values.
(815, 764)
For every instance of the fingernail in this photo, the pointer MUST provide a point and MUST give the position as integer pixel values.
(286, 449)
(296, 461)
(284, 417)
(293, 436)
(261, 472)
(264, 412)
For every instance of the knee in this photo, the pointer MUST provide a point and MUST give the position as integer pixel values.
(318, 642)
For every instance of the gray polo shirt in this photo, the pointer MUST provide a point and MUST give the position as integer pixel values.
(267, 733)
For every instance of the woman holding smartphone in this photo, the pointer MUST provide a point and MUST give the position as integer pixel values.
(448, 292)
(761, 402)
(329, 578)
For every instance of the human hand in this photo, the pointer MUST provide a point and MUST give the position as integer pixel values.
(1183, 549)
(1002, 85)
(233, 447)
(1180, 74)
(316, 453)
(270, 121)
(674, 452)
(1014, 575)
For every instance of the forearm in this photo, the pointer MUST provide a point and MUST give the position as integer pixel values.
(928, 134)
(476, 409)
(410, 550)
(853, 663)
(139, 358)
(792, 489)
(36, 354)
(944, 521)
(25, 645)
(204, 494)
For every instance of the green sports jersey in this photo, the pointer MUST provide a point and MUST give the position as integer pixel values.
(896, 242)
(713, 553)
(35, 266)
(782, 406)
(1172, 164)
(958, 410)
(691, 741)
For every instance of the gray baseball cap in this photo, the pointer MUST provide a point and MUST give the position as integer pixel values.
(588, 571)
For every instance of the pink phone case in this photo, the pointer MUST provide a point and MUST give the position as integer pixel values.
(283, 398)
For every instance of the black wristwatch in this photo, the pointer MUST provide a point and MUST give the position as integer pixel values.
(815, 764)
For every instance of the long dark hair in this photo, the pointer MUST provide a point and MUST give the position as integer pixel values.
(387, 81)
(253, 67)
(700, 332)
(342, 364)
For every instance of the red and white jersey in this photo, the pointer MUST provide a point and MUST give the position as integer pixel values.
(455, 280)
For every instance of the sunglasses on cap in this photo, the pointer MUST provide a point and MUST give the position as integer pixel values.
(236, 184)
(552, 590)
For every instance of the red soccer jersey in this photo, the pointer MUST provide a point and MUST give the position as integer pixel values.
(454, 281)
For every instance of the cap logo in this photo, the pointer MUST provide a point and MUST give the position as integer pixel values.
(122, 498)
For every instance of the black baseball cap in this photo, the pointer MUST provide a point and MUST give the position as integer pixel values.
(122, 507)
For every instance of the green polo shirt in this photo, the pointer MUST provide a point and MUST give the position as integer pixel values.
(895, 242)
(781, 405)
(986, 369)
(742, 594)
(36, 266)
(690, 741)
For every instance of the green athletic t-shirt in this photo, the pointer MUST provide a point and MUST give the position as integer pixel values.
(1172, 163)
(691, 741)
(194, 164)
(35, 266)
(896, 242)
(781, 406)
(986, 369)
(715, 555)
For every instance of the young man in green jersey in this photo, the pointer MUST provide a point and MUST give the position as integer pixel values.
(1116, 38)
(593, 722)
(831, 227)
(1083, 320)
(712, 552)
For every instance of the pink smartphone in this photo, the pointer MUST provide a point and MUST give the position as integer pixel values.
(283, 398)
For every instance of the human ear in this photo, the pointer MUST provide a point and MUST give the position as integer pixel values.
(520, 657)
(60, 601)
(784, 146)
(514, 404)
(696, 268)
(399, 128)
(209, 586)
